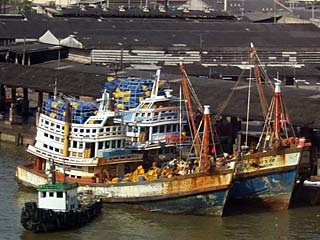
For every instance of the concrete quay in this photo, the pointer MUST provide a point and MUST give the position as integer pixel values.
(20, 134)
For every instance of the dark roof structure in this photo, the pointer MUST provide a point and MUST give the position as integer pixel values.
(43, 79)
(76, 12)
(213, 92)
(166, 34)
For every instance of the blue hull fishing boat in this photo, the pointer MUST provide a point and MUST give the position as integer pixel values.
(266, 173)
(267, 186)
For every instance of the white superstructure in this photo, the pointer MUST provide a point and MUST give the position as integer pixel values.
(80, 149)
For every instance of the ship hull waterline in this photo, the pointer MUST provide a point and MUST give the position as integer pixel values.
(197, 194)
(268, 190)
(267, 179)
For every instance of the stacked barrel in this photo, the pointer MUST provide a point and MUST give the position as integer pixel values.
(128, 93)
(80, 111)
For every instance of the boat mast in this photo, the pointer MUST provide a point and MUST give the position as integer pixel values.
(180, 121)
(190, 111)
(277, 110)
(66, 128)
(104, 101)
(248, 108)
(262, 97)
(154, 92)
(205, 162)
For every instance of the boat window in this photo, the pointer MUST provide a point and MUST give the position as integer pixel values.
(81, 145)
(51, 136)
(56, 149)
(46, 122)
(59, 194)
(57, 139)
(81, 130)
(107, 144)
(45, 145)
(58, 126)
(50, 147)
(46, 134)
(109, 122)
(118, 143)
(94, 130)
(130, 129)
(174, 129)
(144, 105)
(87, 130)
(52, 124)
(43, 194)
(100, 145)
(75, 130)
(113, 144)
(155, 129)
(51, 194)
(74, 144)
(161, 129)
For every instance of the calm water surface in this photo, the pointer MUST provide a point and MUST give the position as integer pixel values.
(118, 222)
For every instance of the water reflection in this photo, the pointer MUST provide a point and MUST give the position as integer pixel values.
(121, 223)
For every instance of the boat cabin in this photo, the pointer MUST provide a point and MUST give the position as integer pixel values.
(153, 124)
(58, 196)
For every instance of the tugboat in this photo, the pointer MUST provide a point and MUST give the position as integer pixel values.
(58, 208)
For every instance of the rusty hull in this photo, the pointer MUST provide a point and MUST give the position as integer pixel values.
(192, 194)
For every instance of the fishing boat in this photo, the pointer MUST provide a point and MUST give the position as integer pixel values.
(94, 154)
(58, 208)
(80, 138)
(153, 122)
(266, 173)
(154, 126)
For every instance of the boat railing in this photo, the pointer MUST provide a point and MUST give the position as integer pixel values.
(166, 140)
(98, 132)
(178, 139)
(124, 157)
(121, 159)
(56, 158)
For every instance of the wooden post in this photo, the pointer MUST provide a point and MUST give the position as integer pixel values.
(2, 97)
(39, 106)
(25, 102)
(12, 111)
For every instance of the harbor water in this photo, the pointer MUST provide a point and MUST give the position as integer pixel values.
(121, 222)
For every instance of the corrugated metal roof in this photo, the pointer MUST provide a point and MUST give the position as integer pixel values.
(213, 92)
(115, 33)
